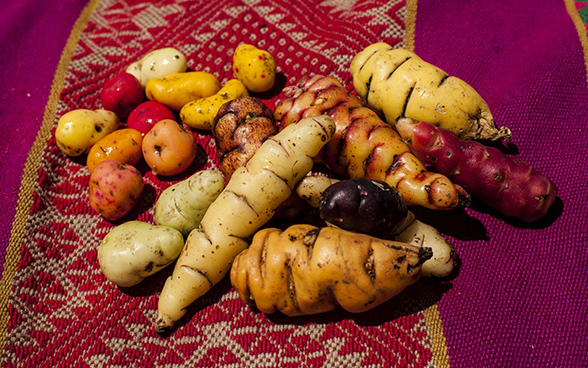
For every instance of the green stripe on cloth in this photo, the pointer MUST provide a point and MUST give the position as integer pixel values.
(579, 22)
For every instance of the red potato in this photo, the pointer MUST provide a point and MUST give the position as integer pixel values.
(168, 148)
(121, 94)
(502, 182)
(115, 188)
(147, 114)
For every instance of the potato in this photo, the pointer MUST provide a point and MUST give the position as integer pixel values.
(239, 129)
(250, 199)
(254, 67)
(158, 64)
(122, 145)
(177, 89)
(182, 205)
(199, 114)
(115, 188)
(134, 250)
(147, 114)
(168, 148)
(78, 130)
(121, 94)
(397, 83)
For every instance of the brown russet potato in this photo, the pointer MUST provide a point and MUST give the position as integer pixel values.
(239, 128)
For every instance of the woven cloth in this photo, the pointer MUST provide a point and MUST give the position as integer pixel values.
(519, 300)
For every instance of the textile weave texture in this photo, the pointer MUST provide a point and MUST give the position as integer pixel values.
(519, 299)
(62, 310)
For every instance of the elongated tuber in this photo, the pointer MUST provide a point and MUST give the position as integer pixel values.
(397, 83)
(502, 182)
(248, 201)
(365, 146)
(307, 270)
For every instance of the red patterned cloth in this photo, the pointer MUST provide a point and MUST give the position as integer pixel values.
(515, 303)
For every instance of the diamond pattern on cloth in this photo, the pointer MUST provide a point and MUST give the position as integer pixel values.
(63, 313)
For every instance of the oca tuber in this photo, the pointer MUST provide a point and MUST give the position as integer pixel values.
(365, 146)
(505, 183)
(307, 270)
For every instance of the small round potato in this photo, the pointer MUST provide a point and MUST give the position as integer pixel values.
(78, 130)
(169, 149)
(147, 114)
(158, 64)
(115, 188)
(123, 145)
(134, 250)
(254, 67)
(121, 94)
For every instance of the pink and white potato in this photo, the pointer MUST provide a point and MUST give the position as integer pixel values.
(147, 114)
(123, 145)
(169, 149)
(121, 94)
(115, 188)
(134, 250)
(78, 130)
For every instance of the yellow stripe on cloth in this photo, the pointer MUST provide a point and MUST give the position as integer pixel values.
(581, 28)
(30, 172)
(434, 325)
(435, 330)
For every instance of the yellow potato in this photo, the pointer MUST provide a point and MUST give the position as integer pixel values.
(254, 67)
(78, 130)
(123, 145)
(177, 89)
(199, 114)
(397, 83)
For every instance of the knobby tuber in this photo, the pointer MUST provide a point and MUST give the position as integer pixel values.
(505, 183)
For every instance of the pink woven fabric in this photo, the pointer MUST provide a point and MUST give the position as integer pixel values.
(76, 317)
(26, 72)
(519, 299)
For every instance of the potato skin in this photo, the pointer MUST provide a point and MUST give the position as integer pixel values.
(123, 145)
(239, 129)
(78, 130)
(397, 83)
(135, 250)
(115, 188)
(249, 201)
(158, 64)
(200, 114)
(363, 205)
(168, 148)
(254, 67)
(121, 94)
(306, 270)
(177, 89)
(147, 114)
(182, 205)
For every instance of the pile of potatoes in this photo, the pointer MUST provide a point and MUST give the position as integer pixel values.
(206, 221)
(148, 97)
